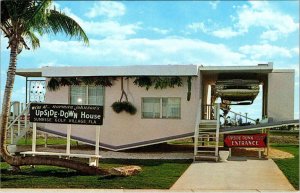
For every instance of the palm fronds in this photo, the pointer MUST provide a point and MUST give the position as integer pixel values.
(59, 22)
(21, 19)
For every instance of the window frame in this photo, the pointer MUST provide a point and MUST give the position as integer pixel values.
(161, 108)
(87, 94)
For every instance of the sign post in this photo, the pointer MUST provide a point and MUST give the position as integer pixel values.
(67, 114)
(97, 140)
(33, 137)
(69, 128)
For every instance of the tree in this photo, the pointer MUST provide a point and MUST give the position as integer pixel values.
(20, 21)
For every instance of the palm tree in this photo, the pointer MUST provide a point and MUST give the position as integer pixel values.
(20, 20)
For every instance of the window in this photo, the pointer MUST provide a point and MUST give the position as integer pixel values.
(166, 108)
(87, 95)
(151, 108)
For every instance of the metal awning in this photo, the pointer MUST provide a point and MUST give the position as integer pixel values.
(138, 70)
(29, 72)
(260, 68)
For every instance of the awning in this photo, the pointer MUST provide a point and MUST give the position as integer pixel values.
(138, 70)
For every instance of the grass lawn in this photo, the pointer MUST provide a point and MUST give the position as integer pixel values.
(41, 141)
(290, 167)
(156, 174)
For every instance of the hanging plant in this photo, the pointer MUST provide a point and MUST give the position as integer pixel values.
(87, 80)
(143, 81)
(65, 82)
(104, 81)
(189, 81)
(120, 105)
(165, 82)
(124, 106)
(174, 81)
(74, 81)
(158, 82)
(53, 84)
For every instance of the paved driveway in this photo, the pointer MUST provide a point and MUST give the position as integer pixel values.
(243, 175)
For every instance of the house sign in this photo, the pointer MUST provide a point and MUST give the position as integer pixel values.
(66, 114)
(245, 140)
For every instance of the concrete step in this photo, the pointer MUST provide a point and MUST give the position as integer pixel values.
(208, 146)
(205, 151)
(206, 158)
(211, 132)
(208, 121)
(207, 137)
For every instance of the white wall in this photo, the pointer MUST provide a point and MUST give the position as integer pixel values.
(281, 96)
(122, 129)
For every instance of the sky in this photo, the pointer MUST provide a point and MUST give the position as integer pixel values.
(209, 33)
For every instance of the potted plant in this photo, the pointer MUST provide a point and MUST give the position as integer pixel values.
(126, 106)
(120, 105)
(223, 154)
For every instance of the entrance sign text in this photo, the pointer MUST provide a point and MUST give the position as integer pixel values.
(66, 114)
(245, 140)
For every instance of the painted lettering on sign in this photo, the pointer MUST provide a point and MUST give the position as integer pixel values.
(66, 114)
(245, 140)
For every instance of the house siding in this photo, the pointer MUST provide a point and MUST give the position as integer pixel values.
(122, 129)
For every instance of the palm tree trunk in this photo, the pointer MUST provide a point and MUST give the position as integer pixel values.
(18, 160)
(6, 101)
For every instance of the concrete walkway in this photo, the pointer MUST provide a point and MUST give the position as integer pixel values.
(241, 175)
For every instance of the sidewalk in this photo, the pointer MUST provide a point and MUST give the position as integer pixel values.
(244, 175)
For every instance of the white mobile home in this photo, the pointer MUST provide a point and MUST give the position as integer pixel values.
(170, 111)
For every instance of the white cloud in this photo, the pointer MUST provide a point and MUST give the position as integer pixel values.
(266, 51)
(140, 51)
(225, 33)
(106, 8)
(160, 31)
(214, 4)
(259, 14)
(271, 35)
(198, 27)
(110, 28)
(105, 28)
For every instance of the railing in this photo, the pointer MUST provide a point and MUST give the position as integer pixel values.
(234, 121)
(18, 119)
(217, 129)
(209, 112)
(196, 135)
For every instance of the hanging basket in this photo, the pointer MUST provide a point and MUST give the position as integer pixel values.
(124, 106)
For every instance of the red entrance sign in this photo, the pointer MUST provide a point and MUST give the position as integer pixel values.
(245, 140)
